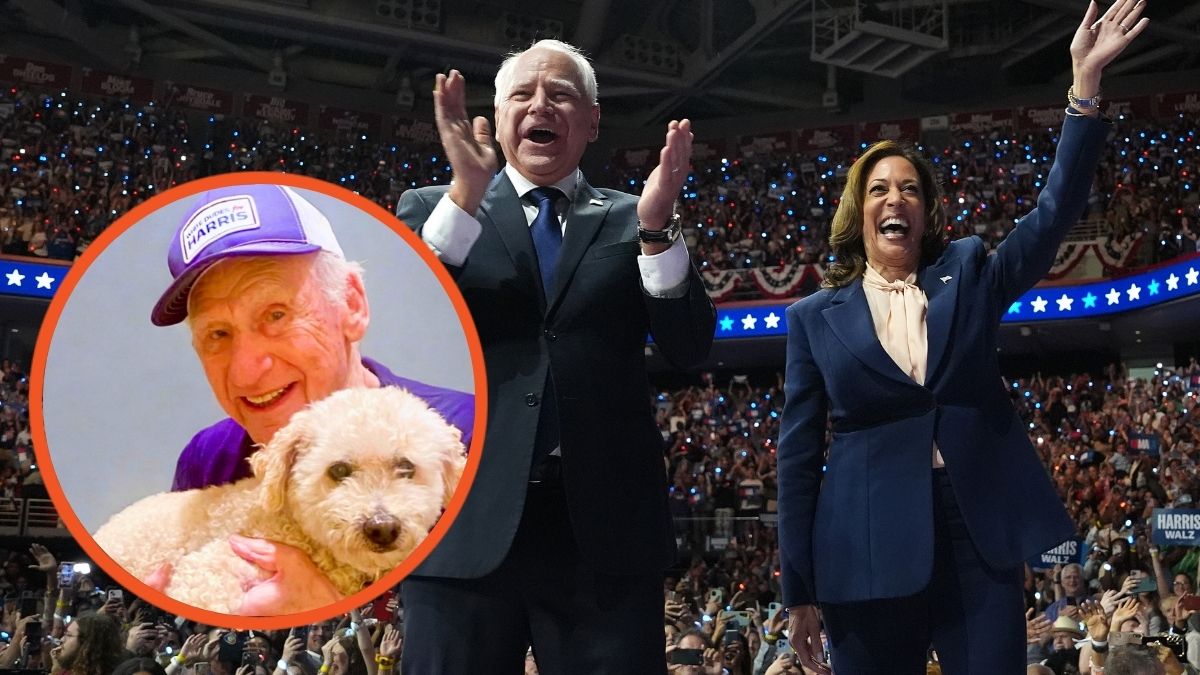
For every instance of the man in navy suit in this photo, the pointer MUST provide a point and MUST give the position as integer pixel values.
(912, 529)
(564, 535)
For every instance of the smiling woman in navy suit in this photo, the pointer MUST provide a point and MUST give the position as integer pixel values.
(931, 495)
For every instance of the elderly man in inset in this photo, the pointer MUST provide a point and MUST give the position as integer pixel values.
(564, 282)
(276, 314)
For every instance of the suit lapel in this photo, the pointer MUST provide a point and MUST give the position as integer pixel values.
(583, 222)
(940, 283)
(501, 208)
(849, 316)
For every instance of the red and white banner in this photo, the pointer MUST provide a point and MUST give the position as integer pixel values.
(1137, 107)
(720, 284)
(825, 138)
(201, 98)
(275, 109)
(981, 122)
(132, 87)
(1045, 116)
(414, 131)
(29, 71)
(332, 118)
(894, 130)
(763, 144)
(1181, 103)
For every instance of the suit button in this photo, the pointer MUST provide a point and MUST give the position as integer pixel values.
(531, 400)
(550, 335)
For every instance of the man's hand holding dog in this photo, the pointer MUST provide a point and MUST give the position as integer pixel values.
(296, 584)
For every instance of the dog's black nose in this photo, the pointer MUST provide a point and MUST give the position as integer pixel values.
(382, 529)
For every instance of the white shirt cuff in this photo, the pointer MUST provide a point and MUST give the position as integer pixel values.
(665, 275)
(451, 232)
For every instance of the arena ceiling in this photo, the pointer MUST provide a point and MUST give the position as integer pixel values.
(703, 58)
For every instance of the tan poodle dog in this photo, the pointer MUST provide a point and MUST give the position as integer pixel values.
(355, 480)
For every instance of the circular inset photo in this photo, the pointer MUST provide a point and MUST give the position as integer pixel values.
(254, 399)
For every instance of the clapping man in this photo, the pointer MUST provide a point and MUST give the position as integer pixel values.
(564, 282)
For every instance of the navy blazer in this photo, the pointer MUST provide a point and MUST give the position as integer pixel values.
(592, 335)
(862, 528)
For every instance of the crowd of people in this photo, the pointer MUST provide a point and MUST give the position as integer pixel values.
(1090, 430)
(69, 166)
(723, 597)
(775, 208)
(81, 627)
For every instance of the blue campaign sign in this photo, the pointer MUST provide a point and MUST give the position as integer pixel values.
(1146, 444)
(1070, 551)
(1176, 527)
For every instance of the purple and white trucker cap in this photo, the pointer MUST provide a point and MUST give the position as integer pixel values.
(244, 220)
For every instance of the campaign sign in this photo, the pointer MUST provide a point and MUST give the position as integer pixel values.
(1145, 444)
(1176, 527)
(1070, 551)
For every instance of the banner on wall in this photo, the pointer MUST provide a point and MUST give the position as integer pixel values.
(1179, 103)
(894, 130)
(275, 109)
(1137, 107)
(30, 71)
(981, 122)
(206, 99)
(132, 87)
(763, 144)
(1044, 116)
(332, 118)
(708, 149)
(414, 131)
(825, 138)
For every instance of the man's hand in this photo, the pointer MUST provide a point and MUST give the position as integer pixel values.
(468, 143)
(714, 663)
(45, 559)
(392, 642)
(192, 648)
(327, 649)
(1125, 611)
(292, 647)
(141, 638)
(1036, 628)
(662, 187)
(783, 664)
(804, 633)
(296, 585)
(1096, 620)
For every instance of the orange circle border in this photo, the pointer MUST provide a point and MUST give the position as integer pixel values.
(42, 450)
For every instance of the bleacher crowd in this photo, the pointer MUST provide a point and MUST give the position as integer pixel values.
(70, 166)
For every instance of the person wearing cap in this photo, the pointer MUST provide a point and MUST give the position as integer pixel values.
(1064, 656)
(564, 281)
(276, 314)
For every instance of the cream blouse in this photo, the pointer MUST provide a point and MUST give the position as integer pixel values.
(898, 311)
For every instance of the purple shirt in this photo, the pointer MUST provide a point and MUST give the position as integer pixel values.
(217, 455)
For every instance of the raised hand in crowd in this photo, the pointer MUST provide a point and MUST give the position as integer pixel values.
(1126, 610)
(1037, 628)
(784, 664)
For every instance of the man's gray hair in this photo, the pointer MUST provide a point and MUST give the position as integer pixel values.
(331, 272)
(1132, 660)
(587, 74)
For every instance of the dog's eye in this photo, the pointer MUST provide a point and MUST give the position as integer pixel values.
(405, 469)
(340, 471)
